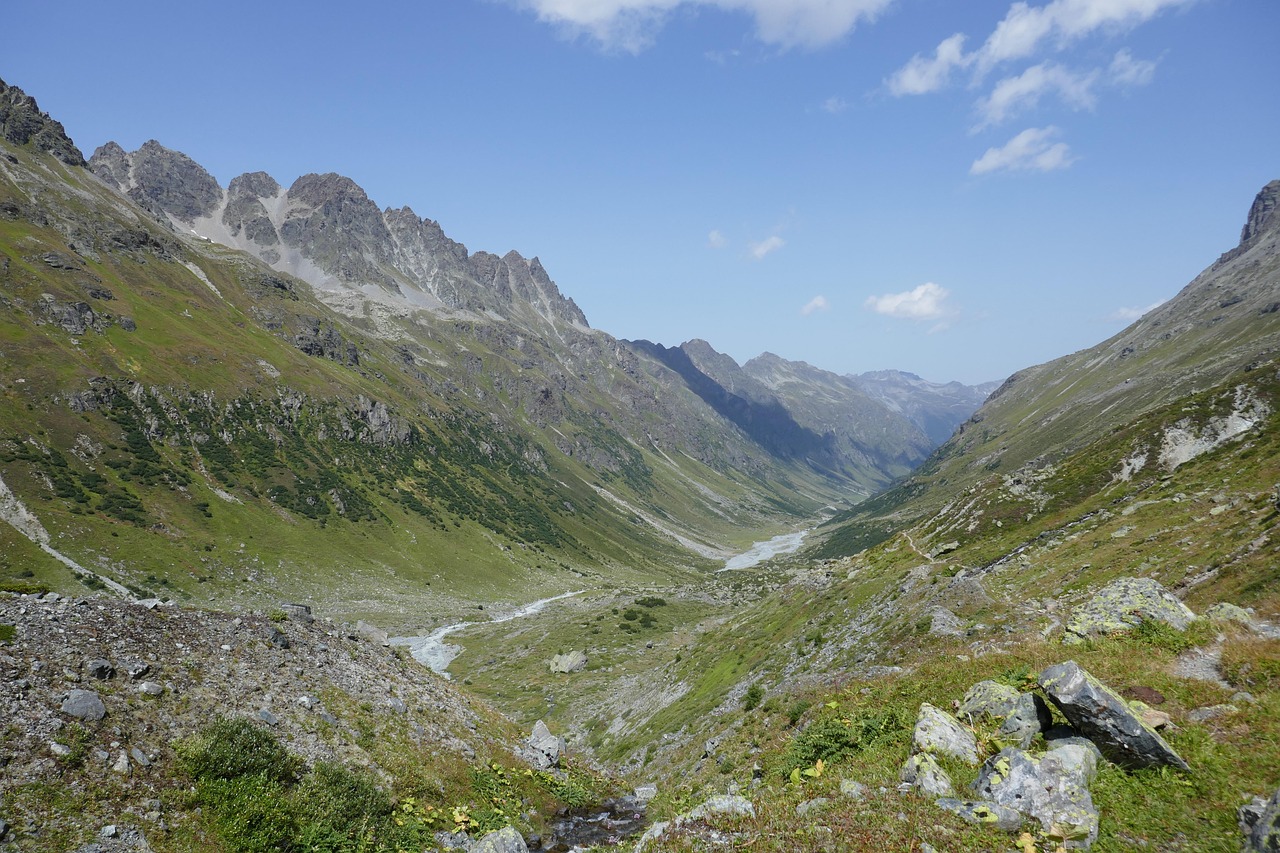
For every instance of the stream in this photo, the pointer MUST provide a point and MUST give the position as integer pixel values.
(785, 543)
(436, 654)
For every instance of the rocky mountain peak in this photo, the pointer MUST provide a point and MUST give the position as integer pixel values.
(1262, 213)
(160, 179)
(253, 184)
(22, 122)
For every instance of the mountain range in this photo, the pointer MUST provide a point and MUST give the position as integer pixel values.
(228, 341)
(222, 409)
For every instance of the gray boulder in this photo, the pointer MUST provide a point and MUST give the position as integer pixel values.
(542, 749)
(505, 840)
(944, 623)
(1122, 605)
(1052, 789)
(1225, 612)
(1102, 716)
(939, 733)
(298, 612)
(721, 805)
(84, 705)
(1021, 715)
(100, 669)
(1264, 835)
(922, 773)
(574, 661)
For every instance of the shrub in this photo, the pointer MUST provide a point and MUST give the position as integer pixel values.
(830, 739)
(752, 698)
(251, 813)
(235, 748)
(337, 807)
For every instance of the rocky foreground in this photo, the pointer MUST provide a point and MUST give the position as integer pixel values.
(96, 693)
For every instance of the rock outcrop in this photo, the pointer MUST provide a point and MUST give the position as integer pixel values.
(23, 123)
(1123, 605)
(1106, 719)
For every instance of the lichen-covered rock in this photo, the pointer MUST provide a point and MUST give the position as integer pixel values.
(1225, 612)
(939, 733)
(1102, 716)
(1021, 715)
(922, 773)
(1052, 789)
(1122, 605)
(984, 813)
(1264, 835)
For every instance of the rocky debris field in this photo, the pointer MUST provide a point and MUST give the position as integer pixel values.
(95, 693)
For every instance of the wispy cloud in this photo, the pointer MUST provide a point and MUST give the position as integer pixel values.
(1025, 33)
(817, 303)
(716, 240)
(758, 250)
(1033, 150)
(1129, 72)
(1025, 28)
(631, 25)
(1015, 94)
(1128, 315)
(924, 74)
(920, 303)
(835, 105)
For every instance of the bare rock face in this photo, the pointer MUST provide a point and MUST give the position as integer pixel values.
(1106, 719)
(1262, 213)
(160, 179)
(542, 749)
(245, 211)
(23, 123)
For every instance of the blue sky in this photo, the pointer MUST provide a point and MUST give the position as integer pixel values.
(958, 189)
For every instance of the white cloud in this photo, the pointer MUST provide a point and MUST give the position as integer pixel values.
(1033, 150)
(631, 25)
(923, 74)
(1014, 94)
(766, 246)
(716, 240)
(1129, 72)
(817, 303)
(1026, 28)
(835, 105)
(920, 303)
(1128, 315)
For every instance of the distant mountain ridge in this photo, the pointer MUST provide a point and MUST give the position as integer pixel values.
(326, 230)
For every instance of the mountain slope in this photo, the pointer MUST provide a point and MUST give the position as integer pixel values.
(1224, 322)
(409, 429)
